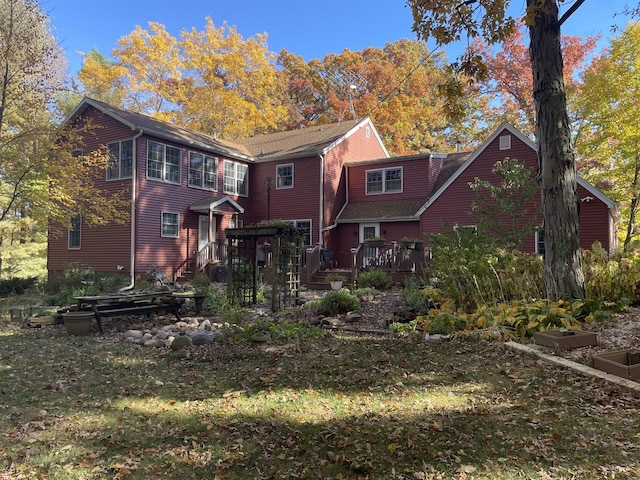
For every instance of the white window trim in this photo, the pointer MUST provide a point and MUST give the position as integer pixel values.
(284, 187)
(204, 159)
(457, 228)
(384, 180)
(162, 234)
(235, 178)
(505, 142)
(133, 155)
(164, 163)
(69, 246)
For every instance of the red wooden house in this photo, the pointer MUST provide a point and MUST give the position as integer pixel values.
(187, 188)
(335, 181)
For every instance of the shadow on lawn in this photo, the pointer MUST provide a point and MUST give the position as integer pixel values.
(345, 406)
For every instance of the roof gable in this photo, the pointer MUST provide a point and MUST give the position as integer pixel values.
(452, 170)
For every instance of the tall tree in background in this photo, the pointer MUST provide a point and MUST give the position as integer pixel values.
(446, 21)
(609, 143)
(397, 86)
(172, 79)
(237, 81)
(509, 78)
(40, 179)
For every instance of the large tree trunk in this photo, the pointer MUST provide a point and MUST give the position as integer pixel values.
(556, 163)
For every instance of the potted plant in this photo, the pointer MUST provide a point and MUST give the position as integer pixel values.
(335, 280)
(78, 323)
(411, 243)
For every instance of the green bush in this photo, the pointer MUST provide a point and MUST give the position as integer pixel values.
(374, 278)
(470, 269)
(16, 285)
(612, 278)
(334, 303)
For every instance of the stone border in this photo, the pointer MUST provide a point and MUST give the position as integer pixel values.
(579, 367)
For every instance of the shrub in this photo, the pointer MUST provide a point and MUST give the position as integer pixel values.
(612, 278)
(16, 285)
(374, 278)
(471, 270)
(334, 303)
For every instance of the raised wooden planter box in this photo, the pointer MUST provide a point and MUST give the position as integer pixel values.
(565, 338)
(622, 363)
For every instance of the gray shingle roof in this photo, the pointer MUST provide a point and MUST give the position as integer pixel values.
(384, 209)
(303, 142)
(298, 143)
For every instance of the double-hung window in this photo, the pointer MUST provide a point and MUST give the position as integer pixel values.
(75, 229)
(384, 180)
(284, 176)
(203, 171)
(120, 160)
(170, 224)
(236, 178)
(540, 241)
(163, 162)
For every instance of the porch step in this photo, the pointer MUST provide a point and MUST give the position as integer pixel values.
(320, 280)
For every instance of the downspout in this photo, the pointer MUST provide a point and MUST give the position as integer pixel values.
(134, 198)
(321, 211)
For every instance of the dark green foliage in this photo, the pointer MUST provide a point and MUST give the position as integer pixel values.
(374, 278)
(16, 285)
(80, 280)
(334, 303)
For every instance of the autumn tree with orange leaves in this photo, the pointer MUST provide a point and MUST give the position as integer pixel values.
(509, 79)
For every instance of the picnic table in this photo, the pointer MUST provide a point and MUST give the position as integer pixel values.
(119, 304)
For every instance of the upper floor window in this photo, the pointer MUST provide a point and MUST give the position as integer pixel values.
(236, 176)
(203, 171)
(170, 224)
(505, 142)
(163, 162)
(120, 160)
(284, 176)
(384, 180)
(75, 228)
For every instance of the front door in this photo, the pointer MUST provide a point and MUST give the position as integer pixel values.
(369, 230)
(203, 231)
(370, 254)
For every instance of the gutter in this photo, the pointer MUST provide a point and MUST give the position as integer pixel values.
(134, 198)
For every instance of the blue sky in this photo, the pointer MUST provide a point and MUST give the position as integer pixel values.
(307, 28)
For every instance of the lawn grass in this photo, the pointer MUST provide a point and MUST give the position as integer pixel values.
(338, 407)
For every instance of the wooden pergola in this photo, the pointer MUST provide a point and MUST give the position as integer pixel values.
(282, 246)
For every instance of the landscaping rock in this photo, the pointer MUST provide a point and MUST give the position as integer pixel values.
(181, 342)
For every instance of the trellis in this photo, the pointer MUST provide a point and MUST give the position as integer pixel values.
(283, 250)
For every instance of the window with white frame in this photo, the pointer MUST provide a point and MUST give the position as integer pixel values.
(203, 171)
(120, 160)
(234, 222)
(170, 224)
(465, 229)
(163, 162)
(236, 178)
(284, 176)
(75, 229)
(505, 142)
(384, 180)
